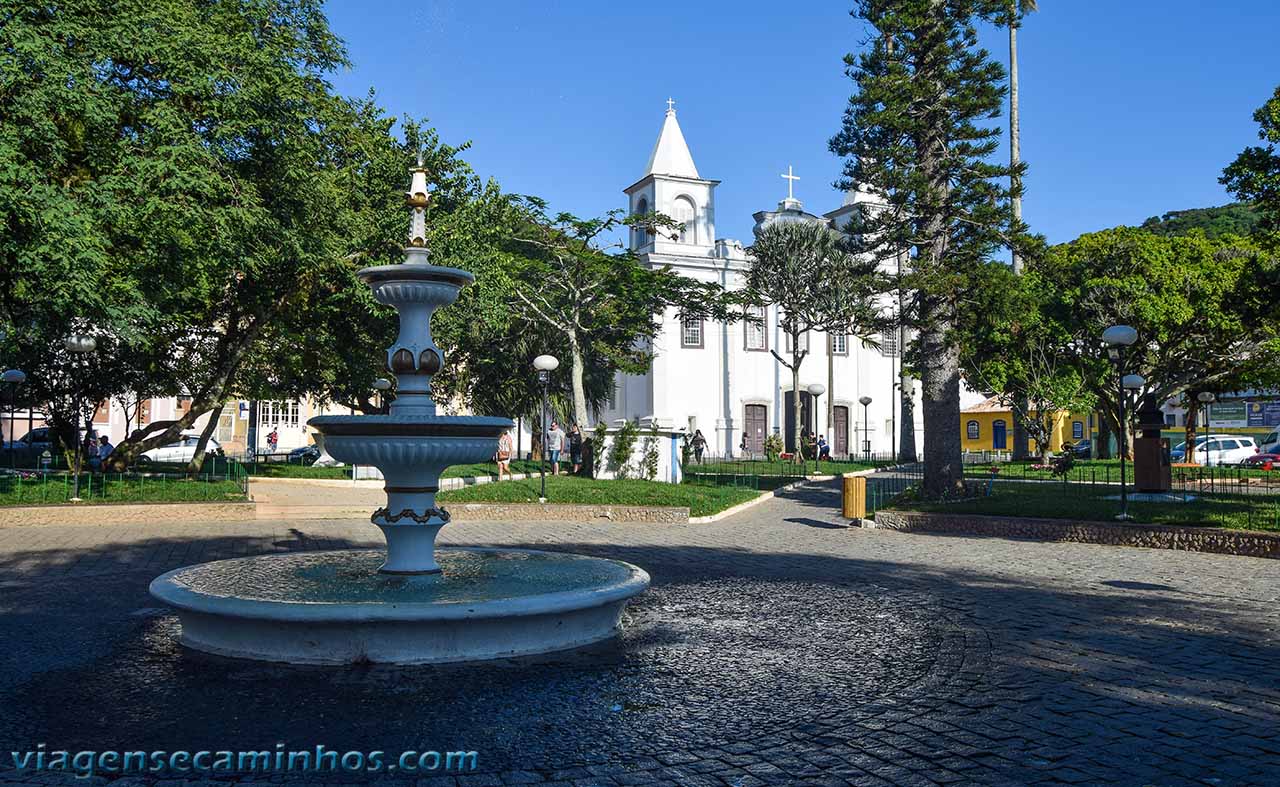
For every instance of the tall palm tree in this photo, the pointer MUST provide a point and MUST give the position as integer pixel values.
(1017, 9)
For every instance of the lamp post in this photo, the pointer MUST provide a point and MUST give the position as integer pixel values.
(816, 390)
(1205, 398)
(545, 364)
(866, 430)
(79, 345)
(13, 378)
(382, 385)
(1117, 338)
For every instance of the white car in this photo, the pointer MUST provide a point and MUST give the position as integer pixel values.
(1221, 449)
(181, 451)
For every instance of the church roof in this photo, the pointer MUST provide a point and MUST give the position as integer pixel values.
(671, 155)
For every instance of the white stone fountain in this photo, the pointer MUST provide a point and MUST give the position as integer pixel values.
(413, 603)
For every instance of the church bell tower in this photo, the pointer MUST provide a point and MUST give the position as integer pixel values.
(671, 186)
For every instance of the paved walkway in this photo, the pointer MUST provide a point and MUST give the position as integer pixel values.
(775, 647)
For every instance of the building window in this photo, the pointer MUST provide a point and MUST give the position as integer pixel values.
(757, 333)
(804, 342)
(1077, 430)
(278, 413)
(889, 344)
(1170, 419)
(840, 344)
(691, 332)
(684, 212)
(971, 430)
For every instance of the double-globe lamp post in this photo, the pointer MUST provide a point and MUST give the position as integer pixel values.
(13, 378)
(1118, 338)
(816, 391)
(545, 364)
(866, 428)
(79, 345)
(1205, 398)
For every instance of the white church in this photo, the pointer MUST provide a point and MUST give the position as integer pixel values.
(723, 379)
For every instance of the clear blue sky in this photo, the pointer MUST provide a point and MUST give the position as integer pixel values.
(1130, 109)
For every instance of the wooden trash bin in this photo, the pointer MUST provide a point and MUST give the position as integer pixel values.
(854, 496)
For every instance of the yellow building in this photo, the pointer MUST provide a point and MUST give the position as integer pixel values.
(988, 426)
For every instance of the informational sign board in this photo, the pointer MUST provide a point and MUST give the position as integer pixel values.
(1228, 415)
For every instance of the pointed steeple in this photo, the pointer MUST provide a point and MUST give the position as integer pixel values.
(671, 155)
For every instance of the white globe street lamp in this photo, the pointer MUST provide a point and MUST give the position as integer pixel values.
(816, 390)
(865, 401)
(545, 365)
(1206, 398)
(1117, 338)
(79, 344)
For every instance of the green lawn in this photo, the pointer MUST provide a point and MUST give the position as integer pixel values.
(701, 500)
(285, 470)
(1054, 501)
(116, 488)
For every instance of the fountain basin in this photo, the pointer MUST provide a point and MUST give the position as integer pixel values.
(334, 608)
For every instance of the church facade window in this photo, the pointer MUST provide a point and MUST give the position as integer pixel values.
(889, 344)
(683, 211)
(757, 333)
(840, 344)
(691, 332)
(804, 342)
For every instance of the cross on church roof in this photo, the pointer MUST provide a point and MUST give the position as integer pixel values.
(791, 182)
(671, 105)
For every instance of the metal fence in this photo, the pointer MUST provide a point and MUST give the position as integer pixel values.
(224, 480)
(765, 474)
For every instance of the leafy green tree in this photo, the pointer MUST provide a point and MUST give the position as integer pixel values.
(601, 300)
(913, 134)
(1011, 345)
(1195, 303)
(1238, 218)
(1255, 174)
(803, 268)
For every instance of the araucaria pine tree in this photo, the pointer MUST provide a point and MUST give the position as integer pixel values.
(914, 133)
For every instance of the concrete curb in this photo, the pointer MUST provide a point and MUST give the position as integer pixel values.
(1248, 543)
(125, 513)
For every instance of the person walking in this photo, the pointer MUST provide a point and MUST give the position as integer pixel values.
(575, 448)
(504, 455)
(699, 444)
(273, 440)
(555, 444)
(743, 449)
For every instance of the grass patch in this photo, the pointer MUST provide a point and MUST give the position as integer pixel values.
(1053, 501)
(1108, 471)
(701, 500)
(53, 489)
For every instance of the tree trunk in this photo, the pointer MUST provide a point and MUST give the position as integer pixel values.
(907, 424)
(796, 358)
(579, 388)
(1103, 448)
(1192, 424)
(1021, 452)
(1015, 137)
(940, 380)
(197, 459)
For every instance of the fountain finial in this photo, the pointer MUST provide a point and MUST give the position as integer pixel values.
(417, 198)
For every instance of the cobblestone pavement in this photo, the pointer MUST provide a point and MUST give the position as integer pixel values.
(775, 647)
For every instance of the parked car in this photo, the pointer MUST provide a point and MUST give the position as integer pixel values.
(1270, 443)
(26, 452)
(304, 455)
(1221, 449)
(184, 450)
(1261, 459)
(1083, 449)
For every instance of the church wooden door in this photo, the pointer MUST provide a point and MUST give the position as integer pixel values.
(840, 430)
(756, 422)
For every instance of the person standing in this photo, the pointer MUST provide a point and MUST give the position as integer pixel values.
(555, 444)
(273, 440)
(504, 455)
(575, 448)
(699, 444)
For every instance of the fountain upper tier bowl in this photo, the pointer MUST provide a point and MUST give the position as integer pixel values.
(335, 608)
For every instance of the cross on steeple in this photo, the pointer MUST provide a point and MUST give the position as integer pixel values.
(791, 182)
(671, 105)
